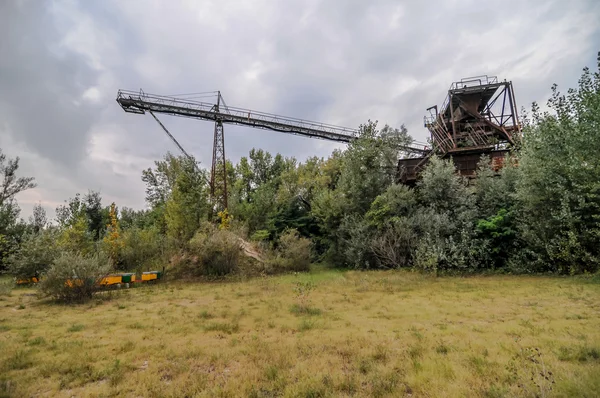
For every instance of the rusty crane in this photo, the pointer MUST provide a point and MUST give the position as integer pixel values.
(218, 112)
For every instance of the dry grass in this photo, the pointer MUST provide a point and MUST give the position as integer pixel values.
(361, 334)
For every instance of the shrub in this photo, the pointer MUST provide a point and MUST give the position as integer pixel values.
(5, 287)
(74, 277)
(76, 238)
(394, 244)
(142, 248)
(211, 252)
(292, 253)
(35, 256)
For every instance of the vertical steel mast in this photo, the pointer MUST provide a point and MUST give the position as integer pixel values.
(218, 175)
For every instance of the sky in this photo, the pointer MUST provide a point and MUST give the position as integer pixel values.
(339, 62)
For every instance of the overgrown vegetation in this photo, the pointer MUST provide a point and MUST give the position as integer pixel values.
(325, 333)
(74, 277)
(540, 213)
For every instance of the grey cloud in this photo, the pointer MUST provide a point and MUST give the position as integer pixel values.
(337, 62)
(41, 86)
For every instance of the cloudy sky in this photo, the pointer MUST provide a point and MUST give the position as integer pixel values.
(341, 62)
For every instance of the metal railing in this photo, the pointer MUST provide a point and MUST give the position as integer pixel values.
(140, 102)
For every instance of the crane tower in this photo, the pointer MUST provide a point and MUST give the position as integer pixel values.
(139, 102)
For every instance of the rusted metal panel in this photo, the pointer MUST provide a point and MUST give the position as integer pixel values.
(465, 163)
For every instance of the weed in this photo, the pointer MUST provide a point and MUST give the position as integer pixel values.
(76, 328)
(229, 328)
(530, 372)
(415, 352)
(442, 349)
(580, 353)
(271, 372)
(415, 332)
(586, 353)
(349, 385)
(300, 309)
(7, 388)
(478, 364)
(306, 324)
(381, 353)
(6, 287)
(495, 391)
(206, 315)
(37, 341)
(115, 373)
(302, 291)
(384, 384)
(19, 360)
(312, 389)
(365, 365)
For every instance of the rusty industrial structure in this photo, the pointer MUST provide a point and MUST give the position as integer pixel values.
(479, 117)
(196, 106)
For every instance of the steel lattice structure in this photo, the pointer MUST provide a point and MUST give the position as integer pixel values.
(140, 102)
(218, 171)
(478, 117)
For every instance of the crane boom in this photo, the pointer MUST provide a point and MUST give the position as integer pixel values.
(171, 136)
(140, 102)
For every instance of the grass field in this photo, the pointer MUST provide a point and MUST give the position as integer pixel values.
(321, 334)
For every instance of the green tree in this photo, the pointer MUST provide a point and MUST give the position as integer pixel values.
(187, 205)
(559, 188)
(366, 169)
(97, 216)
(35, 255)
(113, 240)
(11, 230)
(38, 219)
(76, 237)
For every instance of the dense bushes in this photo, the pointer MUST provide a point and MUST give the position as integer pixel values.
(143, 249)
(292, 253)
(540, 216)
(211, 252)
(36, 254)
(74, 277)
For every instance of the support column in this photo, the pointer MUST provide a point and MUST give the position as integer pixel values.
(218, 173)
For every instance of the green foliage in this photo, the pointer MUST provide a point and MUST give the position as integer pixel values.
(187, 204)
(89, 208)
(11, 230)
(261, 235)
(396, 201)
(211, 252)
(366, 170)
(539, 213)
(143, 249)
(499, 236)
(36, 254)
(559, 188)
(113, 243)
(74, 277)
(76, 237)
(292, 253)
